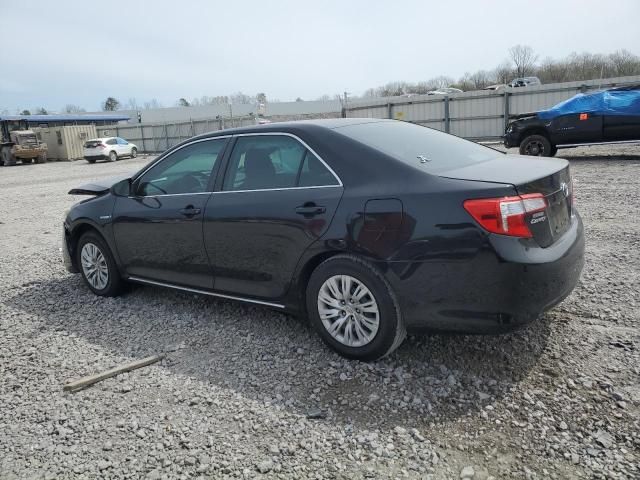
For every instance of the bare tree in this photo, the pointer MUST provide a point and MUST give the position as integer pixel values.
(71, 108)
(153, 103)
(261, 97)
(132, 104)
(523, 58)
(624, 63)
(182, 102)
(41, 111)
(240, 98)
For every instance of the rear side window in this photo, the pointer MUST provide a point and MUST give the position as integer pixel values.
(274, 161)
(314, 173)
(111, 141)
(420, 147)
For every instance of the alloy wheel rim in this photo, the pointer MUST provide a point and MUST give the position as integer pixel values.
(94, 266)
(348, 310)
(535, 148)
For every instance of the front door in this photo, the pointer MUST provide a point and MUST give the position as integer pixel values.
(158, 229)
(277, 198)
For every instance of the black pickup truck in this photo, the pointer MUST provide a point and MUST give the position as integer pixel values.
(608, 116)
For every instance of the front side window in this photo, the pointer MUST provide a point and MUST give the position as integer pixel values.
(187, 170)
(122, 141)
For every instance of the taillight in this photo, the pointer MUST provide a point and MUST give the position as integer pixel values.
(506, 215)
(100, 145)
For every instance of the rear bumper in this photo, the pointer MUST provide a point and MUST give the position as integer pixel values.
(96, 157)
(504, 286)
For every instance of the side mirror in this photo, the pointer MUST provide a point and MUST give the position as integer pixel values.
(122, 188)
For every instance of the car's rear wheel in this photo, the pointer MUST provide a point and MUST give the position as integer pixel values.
(354, 309)
(113, 156)
(97, 265)
(134, 152)
(90, 160)
(536, 145)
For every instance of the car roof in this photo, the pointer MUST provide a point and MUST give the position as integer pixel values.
(297, 125)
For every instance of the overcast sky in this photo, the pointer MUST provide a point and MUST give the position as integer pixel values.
(80, 52)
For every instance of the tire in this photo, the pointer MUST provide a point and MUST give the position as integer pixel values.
(381, 341)
(8, 160)
(553, 151)
(134, 152)
(96, 246)
(90, 160)
(42, 158)
(536, 145)
(113, 156)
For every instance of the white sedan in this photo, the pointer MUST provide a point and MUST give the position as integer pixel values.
(108, 148)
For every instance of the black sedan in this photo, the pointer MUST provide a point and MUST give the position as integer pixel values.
(370, 228)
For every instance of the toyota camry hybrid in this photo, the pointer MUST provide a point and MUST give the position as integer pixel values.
(370, 228)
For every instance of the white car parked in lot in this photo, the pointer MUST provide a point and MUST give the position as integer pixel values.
(108, 148)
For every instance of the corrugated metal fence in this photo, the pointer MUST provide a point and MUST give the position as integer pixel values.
(158, 137)
(479, 114)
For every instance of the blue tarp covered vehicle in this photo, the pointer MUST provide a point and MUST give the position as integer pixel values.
(606, 116)
(608, 102)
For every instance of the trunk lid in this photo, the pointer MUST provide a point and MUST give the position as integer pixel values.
(549, 177)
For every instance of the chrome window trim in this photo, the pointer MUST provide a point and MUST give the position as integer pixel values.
(286, 134)
(277, 189)
(203, 292)
(172, 195)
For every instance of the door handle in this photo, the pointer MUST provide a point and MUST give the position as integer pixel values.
(189, 211)
(310, 209)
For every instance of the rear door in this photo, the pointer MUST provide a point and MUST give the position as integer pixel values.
(123, 147)
(158, 230)
(277, 198)
(112, 146)
(577, 128)
(622, 121)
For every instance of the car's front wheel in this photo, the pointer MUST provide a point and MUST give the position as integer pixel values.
(134, 152)
(354, 309)
(97, 265)
(536, 145)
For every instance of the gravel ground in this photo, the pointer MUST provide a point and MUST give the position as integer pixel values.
(249, 393)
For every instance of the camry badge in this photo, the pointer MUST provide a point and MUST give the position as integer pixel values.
(565, 189)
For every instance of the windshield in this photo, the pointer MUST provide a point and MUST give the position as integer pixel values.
(418, 146)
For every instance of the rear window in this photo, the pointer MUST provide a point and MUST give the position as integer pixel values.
(419, 146)
(91, 144)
